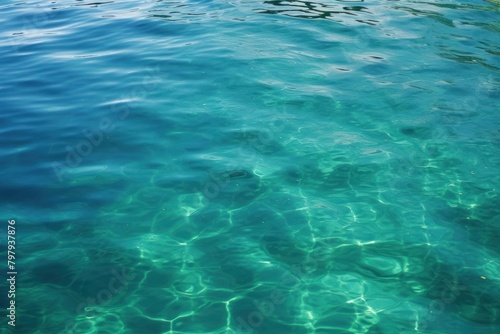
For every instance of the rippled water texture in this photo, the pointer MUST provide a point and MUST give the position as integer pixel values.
(272, 167)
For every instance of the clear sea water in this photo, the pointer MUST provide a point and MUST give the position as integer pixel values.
(237, 166)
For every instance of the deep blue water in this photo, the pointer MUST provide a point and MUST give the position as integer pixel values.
(272, 167)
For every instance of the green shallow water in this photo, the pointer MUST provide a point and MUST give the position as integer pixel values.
(252, 167)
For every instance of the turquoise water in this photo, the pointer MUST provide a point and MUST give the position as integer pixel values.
(252, 167)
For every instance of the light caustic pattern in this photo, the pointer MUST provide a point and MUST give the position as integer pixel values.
(245, 167)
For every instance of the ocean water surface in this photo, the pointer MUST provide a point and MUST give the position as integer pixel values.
(237, 166)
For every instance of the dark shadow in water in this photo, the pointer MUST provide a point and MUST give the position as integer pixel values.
(69, 277)
(460, 289)
(237, 188)
(481, 222)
